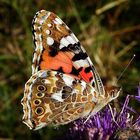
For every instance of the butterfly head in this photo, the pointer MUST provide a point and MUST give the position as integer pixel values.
(112, 92)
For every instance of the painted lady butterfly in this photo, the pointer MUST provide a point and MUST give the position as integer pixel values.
(64, 85)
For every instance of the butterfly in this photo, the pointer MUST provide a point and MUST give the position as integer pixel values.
(64, 85)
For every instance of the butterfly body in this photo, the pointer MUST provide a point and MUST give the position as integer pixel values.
(64, 85)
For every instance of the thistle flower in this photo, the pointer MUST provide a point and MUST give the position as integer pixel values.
(109, 125)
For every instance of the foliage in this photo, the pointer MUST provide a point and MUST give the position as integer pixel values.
(109, 30)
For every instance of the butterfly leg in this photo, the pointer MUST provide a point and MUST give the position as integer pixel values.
(113, 115)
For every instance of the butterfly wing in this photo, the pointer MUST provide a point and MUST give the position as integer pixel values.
(54, 98)
(64, 85)
(57, 48)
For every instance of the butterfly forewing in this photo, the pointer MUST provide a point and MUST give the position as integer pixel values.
(57, 48)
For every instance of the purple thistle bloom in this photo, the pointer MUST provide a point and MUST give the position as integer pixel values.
(138, 97)
(109, 125)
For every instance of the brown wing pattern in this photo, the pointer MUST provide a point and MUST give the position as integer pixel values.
(54, 98)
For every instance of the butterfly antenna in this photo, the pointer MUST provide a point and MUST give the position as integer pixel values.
(126, 68)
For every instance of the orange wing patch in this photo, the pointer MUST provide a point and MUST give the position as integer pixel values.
(86, 76)
(61, 60)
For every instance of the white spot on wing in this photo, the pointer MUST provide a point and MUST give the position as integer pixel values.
(71, 40)
(64, 42)
(46, 81)
(75, 91)
(57, 96)
(61, 46)
(43, 74)
(41, 21)
(83, 84)
(50, 41)
(55, 22)
(68, 80)
(49, 25)
(81, 63)
(59, 20)
(47, 32)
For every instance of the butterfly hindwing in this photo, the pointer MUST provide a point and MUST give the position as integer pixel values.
(55, 98)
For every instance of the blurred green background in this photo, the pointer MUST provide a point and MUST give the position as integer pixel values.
(108, 29)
